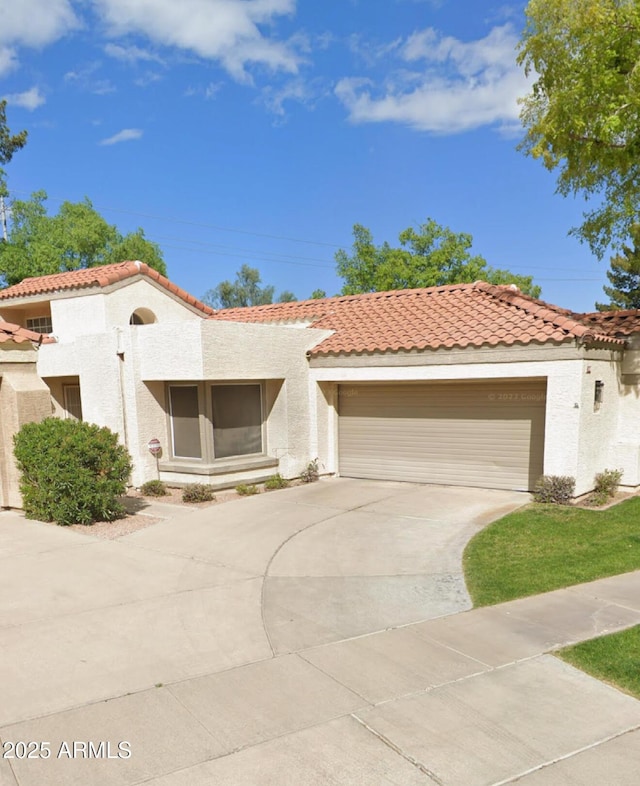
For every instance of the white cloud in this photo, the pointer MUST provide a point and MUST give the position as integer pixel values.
(223, 30)
(295, 90)
(147, 78)
(32, 23)
(131, 54)
(36, 23)
(371, 52)
(126, 135)
(30, 99)
(454, 85)
(208, 92)
(86, 80)
(8, 60)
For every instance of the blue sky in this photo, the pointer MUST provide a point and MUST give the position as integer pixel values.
(260, 131)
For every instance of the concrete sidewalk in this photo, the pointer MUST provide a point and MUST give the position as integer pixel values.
(470, 699)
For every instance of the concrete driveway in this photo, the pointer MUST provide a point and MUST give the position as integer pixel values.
(248, 643)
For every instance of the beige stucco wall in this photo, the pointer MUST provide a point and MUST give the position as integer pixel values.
(23, 398)
(85, 314)
(228, 351)
(123, 375)
(74, 316)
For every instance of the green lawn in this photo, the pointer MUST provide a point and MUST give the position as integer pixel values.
(545, 547)
(614, 659)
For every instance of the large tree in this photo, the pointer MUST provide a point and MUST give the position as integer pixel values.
(624, 277)
(246, 290)
(9, 144)
(582, 116)
(76, 237)
(431, 255)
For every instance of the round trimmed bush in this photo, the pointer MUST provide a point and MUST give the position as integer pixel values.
(72, 472)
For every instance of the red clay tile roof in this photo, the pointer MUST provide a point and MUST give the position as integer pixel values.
(612, 323)
(101, 276)
(460, 315)
(17, 334)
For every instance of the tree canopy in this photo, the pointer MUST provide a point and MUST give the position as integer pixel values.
(76, 237)
(582, 116)
(431, 255)
(624, 277)
(9, 143)
(246, 290)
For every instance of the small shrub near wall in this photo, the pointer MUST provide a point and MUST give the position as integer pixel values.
(311, 472)
(154, 488)
(276, 482)
(72, 472)
(605, 486)
(555, 489)
(198, 492)
(247, 491)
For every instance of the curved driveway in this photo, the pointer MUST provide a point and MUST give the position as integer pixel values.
(214, 588)
(249, 643)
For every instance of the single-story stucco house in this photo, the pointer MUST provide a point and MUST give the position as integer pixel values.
(466, 384)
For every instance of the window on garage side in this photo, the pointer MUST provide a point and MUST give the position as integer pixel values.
(184, 413)
(237, 419)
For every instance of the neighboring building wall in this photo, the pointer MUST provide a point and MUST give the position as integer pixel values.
(23, 398)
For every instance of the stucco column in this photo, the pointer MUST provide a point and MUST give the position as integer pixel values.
(24, 398)
(562, 421)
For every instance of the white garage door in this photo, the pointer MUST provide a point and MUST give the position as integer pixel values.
(488, 434)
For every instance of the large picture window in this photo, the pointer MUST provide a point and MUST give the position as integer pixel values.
(237, 420)
(185, 421)
(215, 421)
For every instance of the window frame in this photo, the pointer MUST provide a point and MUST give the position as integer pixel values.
(205, 421)
(220, 384)
(39, 327)
(169, 410)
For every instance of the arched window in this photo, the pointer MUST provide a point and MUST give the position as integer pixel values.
(142, 316)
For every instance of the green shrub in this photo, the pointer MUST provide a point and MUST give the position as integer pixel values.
(276, 482)
(311, 472)
(154, 488)
(555, 489)
(246, 491)
(607, 481)
(198, 492)
(72, 472)
(605, 486)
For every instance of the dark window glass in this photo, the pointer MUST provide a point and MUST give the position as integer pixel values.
(185, 423)
(237, 420)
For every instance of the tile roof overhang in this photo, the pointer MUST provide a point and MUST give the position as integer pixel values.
(618, 324)
(98, 277)
(453, 316)
(19, 335)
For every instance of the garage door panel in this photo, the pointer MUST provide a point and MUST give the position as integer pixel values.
(483, 434)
